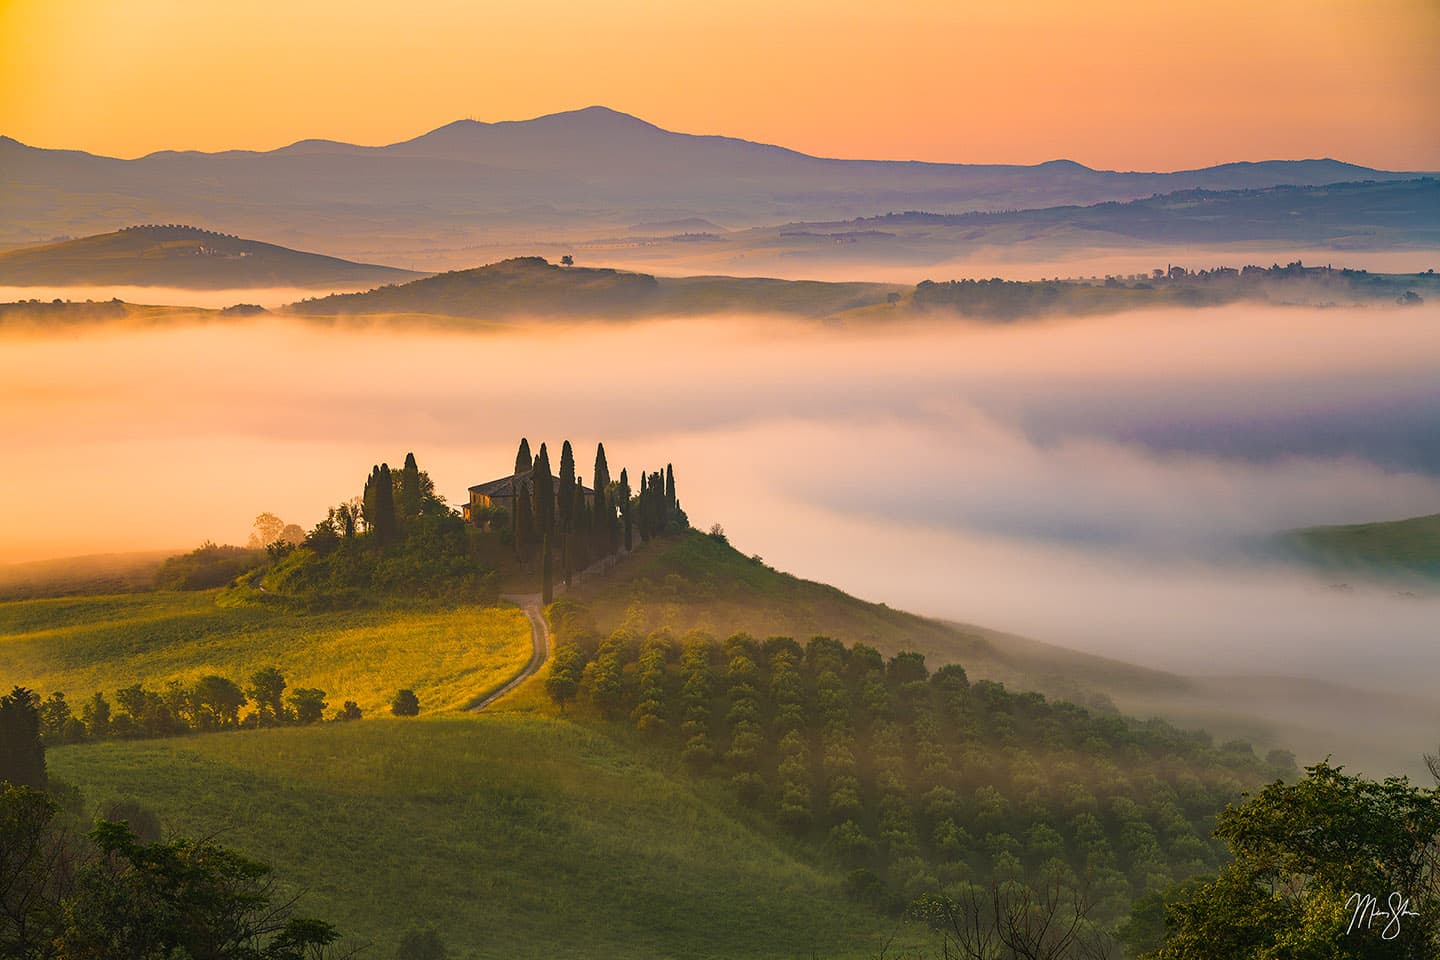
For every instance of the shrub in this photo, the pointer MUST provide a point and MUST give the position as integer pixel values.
(405, 704)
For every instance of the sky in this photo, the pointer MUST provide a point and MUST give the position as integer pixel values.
(1117, 85)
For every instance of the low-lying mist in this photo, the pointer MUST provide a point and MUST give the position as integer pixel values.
(1104, 483)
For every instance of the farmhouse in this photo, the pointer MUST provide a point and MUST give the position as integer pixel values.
(501, 493)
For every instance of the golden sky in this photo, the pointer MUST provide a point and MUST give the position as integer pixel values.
(1122, 85)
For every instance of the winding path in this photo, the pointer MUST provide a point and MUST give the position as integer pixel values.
(529, 603)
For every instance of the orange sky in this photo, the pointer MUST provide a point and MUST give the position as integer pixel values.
(1125, 85)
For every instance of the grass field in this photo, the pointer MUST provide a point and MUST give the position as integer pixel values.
(79, 645)
(1399, 546)
(516, 833)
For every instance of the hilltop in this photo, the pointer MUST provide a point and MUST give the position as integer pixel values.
(531, 286)
(180, 256)
(567, 177)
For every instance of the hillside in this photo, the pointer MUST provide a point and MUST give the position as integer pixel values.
(1392, 547)
(531, 287)
(1340, 218)
(179, 256)
(568, 176)
(697, 582)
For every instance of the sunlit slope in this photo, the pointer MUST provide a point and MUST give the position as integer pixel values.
(180, 256)
(697, 581)
(516, 836)
(1398, 546)
(81, 645)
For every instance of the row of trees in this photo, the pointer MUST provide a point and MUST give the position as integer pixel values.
(208, 704)
(551, 513)
(920, 781)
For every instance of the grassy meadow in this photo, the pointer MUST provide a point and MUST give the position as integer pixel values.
(81, 645)
(518, 834)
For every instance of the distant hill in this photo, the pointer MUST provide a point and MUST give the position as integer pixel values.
(568, 176)
(1398, 546)
(181, 256)
(1340, 217)
(531, 286)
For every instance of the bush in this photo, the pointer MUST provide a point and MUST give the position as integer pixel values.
(420, 943)
(405, 704)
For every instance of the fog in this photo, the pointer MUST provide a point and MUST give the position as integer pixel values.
(1097, 482)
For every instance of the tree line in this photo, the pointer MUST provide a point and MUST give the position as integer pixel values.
(551, 515)
(211, 703)
(917, 782)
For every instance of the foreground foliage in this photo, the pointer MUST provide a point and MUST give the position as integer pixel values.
(119, 897)
(1331, 867)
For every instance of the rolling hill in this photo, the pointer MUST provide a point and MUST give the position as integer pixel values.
(181, 256)
(1392, 547)
(1340, 218)
(566, 177)
(532, 287)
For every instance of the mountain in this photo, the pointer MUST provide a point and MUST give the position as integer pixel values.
(567, 176)
(180, 256)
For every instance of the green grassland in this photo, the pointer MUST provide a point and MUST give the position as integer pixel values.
(517, 834)
(80, 645)
(1399, 546)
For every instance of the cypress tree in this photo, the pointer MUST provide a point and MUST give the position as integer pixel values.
(580, 515)
(410, 488)
(567, 557)
(547, 588)
(542, 484)
(385, 504)
(566, 491)
(523, 460)
(524, 521)
(603, 528)
(369, 504)
(670, 502)
(622, 495)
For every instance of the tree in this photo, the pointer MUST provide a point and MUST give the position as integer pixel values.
(542, 488)
(96, 715)
(266, 689)
(410, 488)
(54, 715)
(524, 519)
(216, 702)
(565, 493)
(603, 527)
(309, 704)
(385, 506)
(22, 752)
(405, 704)
(1313, 863)
(547, 584)
(671, 503)
(179, 898)
(266, 530)
(622, 499)
(523, 460)
(567, 260)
